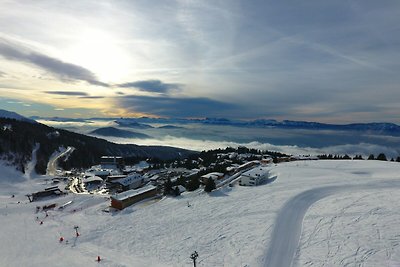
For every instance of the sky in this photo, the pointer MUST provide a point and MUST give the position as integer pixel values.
(326, 61)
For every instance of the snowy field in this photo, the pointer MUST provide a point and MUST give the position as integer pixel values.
(346, 212)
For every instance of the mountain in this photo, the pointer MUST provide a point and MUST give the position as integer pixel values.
(12, 115)
(111, 131)
(131, 123)
(18, 138)
(61, 119)
(374, 127)
(170, 127)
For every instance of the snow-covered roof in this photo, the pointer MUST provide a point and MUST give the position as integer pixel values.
(257, 172)
(248, 164)
(133, 192)
(92, 179)
(230, 168)
(125, 181)
(213, 175)
(181, 188)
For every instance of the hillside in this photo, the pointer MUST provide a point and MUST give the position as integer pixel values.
(356, 225)
(12, 115)
(17, 139)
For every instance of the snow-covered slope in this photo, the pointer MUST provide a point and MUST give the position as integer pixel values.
(230, 227)
(13, 115)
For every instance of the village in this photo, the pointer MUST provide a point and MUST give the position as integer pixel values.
(148, 179)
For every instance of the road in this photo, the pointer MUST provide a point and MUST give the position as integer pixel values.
(52, 165)
(286, 234)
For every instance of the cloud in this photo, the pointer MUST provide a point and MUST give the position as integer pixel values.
(64, 71)
(74, 93)
(2, 74)
(67, 93)
(152, 86)
(92, 97)
(176, 107)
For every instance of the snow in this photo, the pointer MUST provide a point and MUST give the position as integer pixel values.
(92, 178)
(228, 227)
(61, 152)
(261, 171)
(30, 167)
(133, 192)
(134, 179)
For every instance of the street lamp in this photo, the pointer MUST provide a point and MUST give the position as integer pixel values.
(194, 257)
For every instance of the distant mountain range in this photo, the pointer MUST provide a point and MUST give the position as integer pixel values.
(114, 132)
(387, 128)
(170, 127)
(132, 123)
(142, 123)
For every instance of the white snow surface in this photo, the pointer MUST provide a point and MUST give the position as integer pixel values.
(30, 167)
(229, 227)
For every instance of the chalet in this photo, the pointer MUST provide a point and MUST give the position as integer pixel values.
(98, 172)
(248, 165)
(254, 176)
(111, 178)
(92, 180)
(213, 175)
(130, 197)
(131, 181)
(267, 160)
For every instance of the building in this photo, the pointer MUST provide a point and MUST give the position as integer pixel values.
(266, 160)
(112, 163)
(248, 165)
(130, 197)
(213, 175)
(132, 181)
(254, 176)
(51, 191)
(92, 182)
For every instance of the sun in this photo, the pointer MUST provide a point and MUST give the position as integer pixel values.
(100, 52)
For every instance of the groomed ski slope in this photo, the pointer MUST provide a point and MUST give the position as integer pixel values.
(231, 227)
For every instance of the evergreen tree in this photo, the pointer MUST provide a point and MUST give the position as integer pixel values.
(167, 187)
(371, 157)
(210, 185)
(176, 191)
(382, 157)
(181, 181)
(193, 184)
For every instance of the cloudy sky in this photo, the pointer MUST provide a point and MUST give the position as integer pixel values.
(327, 61)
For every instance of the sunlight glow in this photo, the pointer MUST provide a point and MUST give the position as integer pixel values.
(100, 52)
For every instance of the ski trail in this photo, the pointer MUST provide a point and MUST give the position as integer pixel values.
(30, 167)
(52, 165)
(288, 224)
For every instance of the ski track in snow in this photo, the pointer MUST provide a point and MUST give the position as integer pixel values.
(288, 225)
(30, 168)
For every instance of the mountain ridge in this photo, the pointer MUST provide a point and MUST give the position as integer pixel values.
(18, 138)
